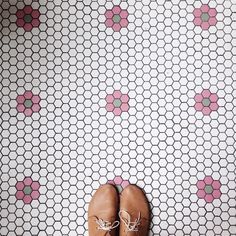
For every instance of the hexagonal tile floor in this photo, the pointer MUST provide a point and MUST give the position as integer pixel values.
(126, 92)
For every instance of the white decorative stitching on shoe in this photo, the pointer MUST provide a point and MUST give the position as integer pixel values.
(130, 226)
(106, 225)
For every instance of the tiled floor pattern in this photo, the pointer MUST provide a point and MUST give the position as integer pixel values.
(136, 91)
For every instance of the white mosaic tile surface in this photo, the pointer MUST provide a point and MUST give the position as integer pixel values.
(97, 91)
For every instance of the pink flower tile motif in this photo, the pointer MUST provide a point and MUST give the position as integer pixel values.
(119, 183)
(117, 102)
(116, 18)
(28, 103)
(27, 190)
(205, 16)
(206, 102)
(209, 189)
(28, 18)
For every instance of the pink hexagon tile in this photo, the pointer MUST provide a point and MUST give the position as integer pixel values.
(28, 103)
(27, 190)
(119, 183)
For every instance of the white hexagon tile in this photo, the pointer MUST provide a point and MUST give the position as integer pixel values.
(126, 92)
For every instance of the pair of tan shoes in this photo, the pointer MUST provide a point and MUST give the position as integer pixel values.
(132, 209)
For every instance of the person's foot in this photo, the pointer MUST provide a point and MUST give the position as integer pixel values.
(134, 212)
(102, 212)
